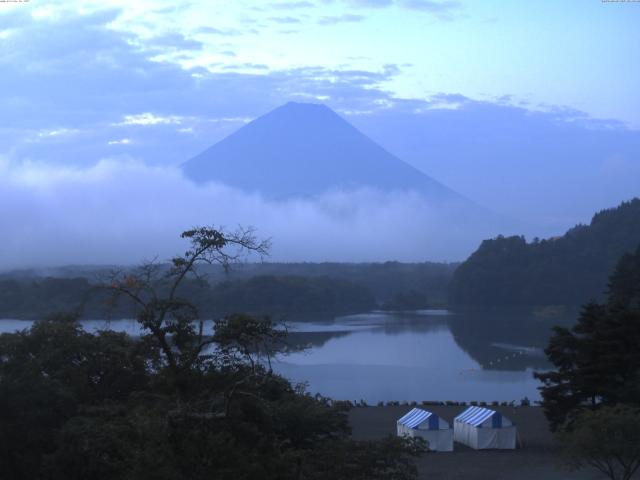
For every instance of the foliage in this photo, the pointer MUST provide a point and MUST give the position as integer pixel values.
(289, 295)
(391, 458)
(176, 403)
(567, 270)
(48, 374)
(293, 289)
(260, 295)
(33, 297)
(624, 283)
(607, 439)
(597, 361)
(409, 300)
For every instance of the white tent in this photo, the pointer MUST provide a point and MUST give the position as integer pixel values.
(427, 425)
(482, 428)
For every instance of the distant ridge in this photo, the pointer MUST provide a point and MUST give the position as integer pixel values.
(307, 149)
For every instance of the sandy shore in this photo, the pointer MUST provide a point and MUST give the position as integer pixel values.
(535, 460)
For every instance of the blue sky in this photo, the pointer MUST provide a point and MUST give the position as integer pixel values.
(500, 100)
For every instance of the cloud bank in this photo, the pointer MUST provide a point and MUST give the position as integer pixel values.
(121, 212)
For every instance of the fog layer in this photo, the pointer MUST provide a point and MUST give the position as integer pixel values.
(123, 211)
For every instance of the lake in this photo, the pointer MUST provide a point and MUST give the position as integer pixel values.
(422, 355)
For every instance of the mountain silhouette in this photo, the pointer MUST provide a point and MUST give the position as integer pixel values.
(306, 149)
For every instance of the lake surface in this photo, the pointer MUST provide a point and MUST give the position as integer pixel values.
(424, 355)
(427, 355)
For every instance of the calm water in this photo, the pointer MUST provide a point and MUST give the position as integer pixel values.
(428, 355)
(425, 355)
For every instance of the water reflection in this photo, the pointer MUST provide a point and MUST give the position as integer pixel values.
(482, 355)
(506, 339)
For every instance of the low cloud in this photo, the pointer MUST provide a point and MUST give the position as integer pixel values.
(150, 119)
(290, 5)
(370, 3)
(224, 32)
(174, 41)
(56, 132)
(122, 141)
(123, 211)
(443, 9)
(346, 18)
(286, 20)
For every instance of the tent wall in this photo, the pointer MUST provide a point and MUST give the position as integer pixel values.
(465, 434)
(499, 438)
(480, 438)
(439, 440)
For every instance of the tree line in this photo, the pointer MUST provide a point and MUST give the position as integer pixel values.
(296, 289)
(273, 295)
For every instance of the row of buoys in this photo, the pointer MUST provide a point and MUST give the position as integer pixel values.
(507, 357)
(496, 361)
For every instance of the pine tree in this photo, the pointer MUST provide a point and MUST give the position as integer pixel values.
(598, 360)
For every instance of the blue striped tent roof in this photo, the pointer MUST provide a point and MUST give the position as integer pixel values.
(415, 417)
(475, 415)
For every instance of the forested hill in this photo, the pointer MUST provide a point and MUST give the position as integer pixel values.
(260, 295)
(567, 270)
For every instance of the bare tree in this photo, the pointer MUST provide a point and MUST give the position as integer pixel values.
(174, 322)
